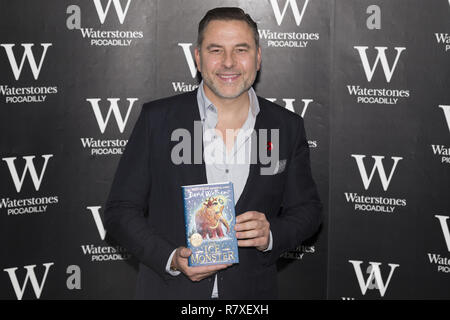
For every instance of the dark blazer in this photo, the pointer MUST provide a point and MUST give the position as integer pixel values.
(144, 211)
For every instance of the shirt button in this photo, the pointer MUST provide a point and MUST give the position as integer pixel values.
(226, 170)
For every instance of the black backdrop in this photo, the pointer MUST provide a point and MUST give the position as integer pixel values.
(370, 79)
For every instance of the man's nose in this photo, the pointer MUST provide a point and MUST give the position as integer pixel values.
(228, 59)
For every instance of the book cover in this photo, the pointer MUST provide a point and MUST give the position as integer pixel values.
(209, 220)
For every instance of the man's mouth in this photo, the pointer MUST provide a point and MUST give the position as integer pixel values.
(228, 77)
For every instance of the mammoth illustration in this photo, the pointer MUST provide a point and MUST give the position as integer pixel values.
(209, 221)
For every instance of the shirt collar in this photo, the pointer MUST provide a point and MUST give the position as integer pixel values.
(208, 112)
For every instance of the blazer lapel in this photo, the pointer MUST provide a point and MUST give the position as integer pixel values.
(255, 168)
(187, 117)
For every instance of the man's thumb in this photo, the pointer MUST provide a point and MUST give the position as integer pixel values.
(185, 252)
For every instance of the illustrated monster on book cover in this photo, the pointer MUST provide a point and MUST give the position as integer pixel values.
(210, 218)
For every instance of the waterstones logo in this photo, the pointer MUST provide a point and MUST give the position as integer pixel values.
(443, 39)
(440, 150)
(366, 203)
(100, 37)
(37, 285)
(378, 95)
(289, 105)
(38, 277)
(292, 39)
(181, 86)
(22, 206)
(374, 280)
(442, 263)
(108, 146)
(28, 93)
(99, 253)
(27, 55)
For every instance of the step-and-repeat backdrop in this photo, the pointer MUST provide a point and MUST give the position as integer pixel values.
(370, 78)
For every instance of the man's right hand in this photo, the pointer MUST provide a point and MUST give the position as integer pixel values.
(180, 262)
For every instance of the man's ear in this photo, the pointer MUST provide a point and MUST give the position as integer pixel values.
(197, 58)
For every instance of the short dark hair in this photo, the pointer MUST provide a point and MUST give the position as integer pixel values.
(225, 14)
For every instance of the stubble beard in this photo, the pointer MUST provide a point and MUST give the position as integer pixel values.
(243, 86)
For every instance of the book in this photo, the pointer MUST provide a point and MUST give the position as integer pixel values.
(209, 220)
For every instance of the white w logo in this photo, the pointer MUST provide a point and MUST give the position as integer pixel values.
(119, 10)
(98, 221)
(446, 110)
(375, 280)
(189, 58)
(20, 290)
(114, 108)
(289, 104)
(27, 55)
(445, 231)
(29, 166)
(378, 166)
(381, 57)
(280, 15)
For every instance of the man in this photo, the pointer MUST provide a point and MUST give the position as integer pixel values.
(277, 205)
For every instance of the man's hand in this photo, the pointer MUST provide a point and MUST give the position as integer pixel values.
(180, 262)
(254, 228)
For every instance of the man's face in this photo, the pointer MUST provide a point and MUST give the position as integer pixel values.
(228, 58)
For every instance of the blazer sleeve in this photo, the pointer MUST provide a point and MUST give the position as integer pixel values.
(301, 210)
(128, 198)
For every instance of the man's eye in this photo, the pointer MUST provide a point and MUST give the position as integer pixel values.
(241, 50)
(214, 51)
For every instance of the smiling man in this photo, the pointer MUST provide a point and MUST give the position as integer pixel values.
(277, 207)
